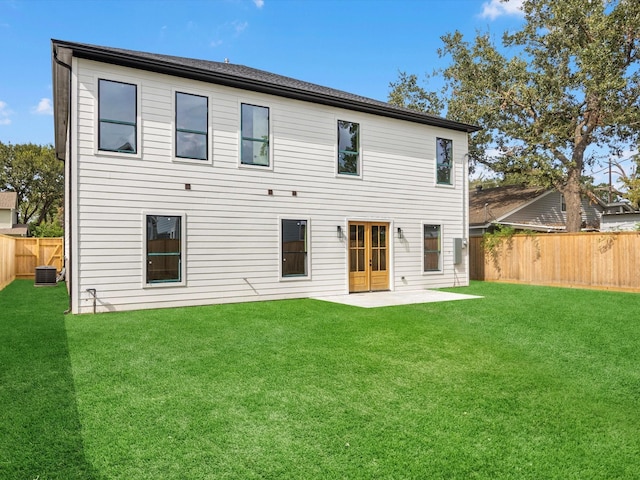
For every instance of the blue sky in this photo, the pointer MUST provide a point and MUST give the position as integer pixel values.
(353, 45)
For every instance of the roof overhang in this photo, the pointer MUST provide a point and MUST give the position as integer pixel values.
(61, 65)
(63, 51)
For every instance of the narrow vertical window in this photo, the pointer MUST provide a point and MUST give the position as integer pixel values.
(255, 135)
(563, 203)
(432, 248)
(191, 126)
(444, 160)
(164, 249)
(294, 248)
(348, 148)
(117, 114)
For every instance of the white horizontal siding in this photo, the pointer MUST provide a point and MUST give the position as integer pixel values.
(620, 222)
(547, 210)
(232, 227)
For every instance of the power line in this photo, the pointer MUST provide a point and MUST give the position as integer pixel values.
(607, 167)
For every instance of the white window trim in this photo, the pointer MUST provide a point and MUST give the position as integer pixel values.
(256, 103)
(300, 278)
(440, 270)
(336, 151)
(192, 161)
(183, 248)
(451, 185)
(96, 117)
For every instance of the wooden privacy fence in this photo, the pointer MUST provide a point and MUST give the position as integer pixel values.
(7, 260)
(20, 256)
(591, 260)
(35, 252)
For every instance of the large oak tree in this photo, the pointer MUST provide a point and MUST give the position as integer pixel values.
(559, 90)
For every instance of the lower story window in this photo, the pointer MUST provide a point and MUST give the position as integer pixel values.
(294, 248)
(164, 248)
(432, 248)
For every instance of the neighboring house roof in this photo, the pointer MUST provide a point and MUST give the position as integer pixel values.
(221, 73)
(8, 200)
(530, 208)
(18, 230)
(490, 205)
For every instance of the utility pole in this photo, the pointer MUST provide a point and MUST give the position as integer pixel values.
(609, 200)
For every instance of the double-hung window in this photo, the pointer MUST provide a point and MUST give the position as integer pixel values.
(432, 248)
(348, 148)
(255, 135)
(117, 116)
(191, 126)
(294, 245)
(164, 249)
(444, 161)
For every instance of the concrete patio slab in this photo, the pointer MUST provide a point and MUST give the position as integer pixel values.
(388, 299)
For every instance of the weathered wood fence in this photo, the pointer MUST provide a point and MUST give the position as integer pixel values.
(608, 260)
(19, 256)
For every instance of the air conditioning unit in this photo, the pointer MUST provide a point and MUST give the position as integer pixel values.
(45, 276)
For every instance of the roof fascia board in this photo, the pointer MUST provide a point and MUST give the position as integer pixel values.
(229, 80)
(537, 227)
(61, 66)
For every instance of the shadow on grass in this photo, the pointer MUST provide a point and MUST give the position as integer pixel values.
(40, 431)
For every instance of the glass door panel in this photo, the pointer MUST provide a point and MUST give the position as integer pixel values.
(368, 265)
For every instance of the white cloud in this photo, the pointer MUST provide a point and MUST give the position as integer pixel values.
(239, 27)
(215, 43)
(4, 113)
(44, 107)
(497, 8)
(259, 3)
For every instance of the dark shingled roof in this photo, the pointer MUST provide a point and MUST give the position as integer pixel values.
(248, 78)
(499, 201)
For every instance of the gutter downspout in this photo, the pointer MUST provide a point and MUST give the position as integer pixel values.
(58, 76)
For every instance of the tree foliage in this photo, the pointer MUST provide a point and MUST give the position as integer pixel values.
(568, 82)
(34, 172)
(47, 229)
(630, 178)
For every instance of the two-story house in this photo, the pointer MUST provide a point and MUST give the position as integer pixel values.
(193, 182)
(9, 216)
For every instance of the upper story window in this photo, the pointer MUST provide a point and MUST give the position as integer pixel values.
(117, 116)
(432, 248)
(563, 203)
(191, 126)
(348, 148)
(444, 161)
(255, 135)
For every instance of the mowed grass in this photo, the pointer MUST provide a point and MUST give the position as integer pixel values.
(528, 382)
(40, 432)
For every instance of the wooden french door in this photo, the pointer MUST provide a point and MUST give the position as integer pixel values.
(368, 256)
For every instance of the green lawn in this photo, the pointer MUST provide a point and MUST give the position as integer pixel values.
(529, 382)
